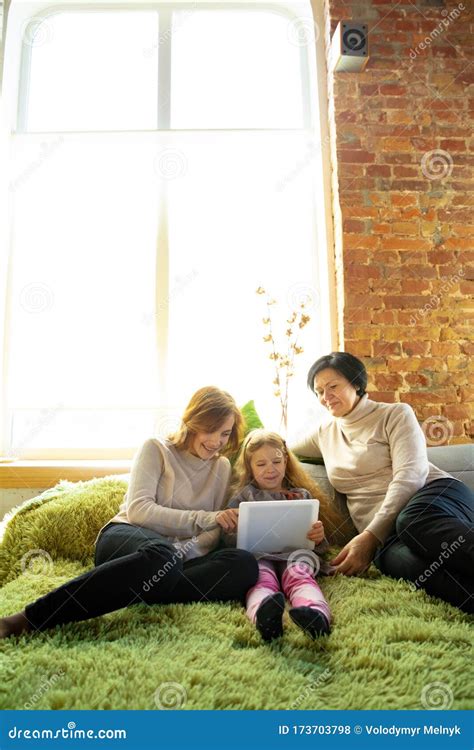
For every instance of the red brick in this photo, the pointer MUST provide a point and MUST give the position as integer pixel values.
(393, 89)
(418, 379)
(403, 243)
(358, 348)
(388, 382)
(404, 200)
(416, 348)
(467, 394)
(432, 397)
(384, 348)
(443, 348)
(351, 156)
(458, 411)
(387, 397)
(365, 241)
(379, 170)
(384, 317)
(452, 145)
(387, 258)
(414, 364)
(352, 225)
(356, 271)
(406, 302)
(414, 286)
(359, 316)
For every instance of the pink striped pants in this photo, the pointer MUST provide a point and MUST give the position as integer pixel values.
(297, 583)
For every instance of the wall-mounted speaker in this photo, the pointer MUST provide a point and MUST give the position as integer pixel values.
(349, 47)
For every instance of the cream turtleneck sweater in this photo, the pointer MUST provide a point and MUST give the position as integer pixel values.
(375, 456)
(177, 495)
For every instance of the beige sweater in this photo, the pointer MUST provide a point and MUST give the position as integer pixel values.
(376, 456)
(177, 495)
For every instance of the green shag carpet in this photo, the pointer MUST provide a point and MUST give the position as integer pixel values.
(390, 647)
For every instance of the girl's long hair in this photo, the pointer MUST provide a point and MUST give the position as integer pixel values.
(208, 408)
(295, 475)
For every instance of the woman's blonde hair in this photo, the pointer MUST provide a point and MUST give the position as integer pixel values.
(207, 410)
(295, 475)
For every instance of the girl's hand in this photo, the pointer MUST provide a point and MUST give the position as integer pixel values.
(228, 519)
(316, 532)
(357, 555)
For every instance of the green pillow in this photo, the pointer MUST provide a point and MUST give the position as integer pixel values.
(305, 460)
(252, 420)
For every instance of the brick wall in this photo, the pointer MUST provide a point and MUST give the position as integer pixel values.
(404, 216)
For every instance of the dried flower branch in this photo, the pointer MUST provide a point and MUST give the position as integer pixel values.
(284, 361)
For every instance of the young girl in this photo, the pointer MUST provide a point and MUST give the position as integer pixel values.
(267, 470)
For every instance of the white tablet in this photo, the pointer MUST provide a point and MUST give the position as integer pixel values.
(276, 525)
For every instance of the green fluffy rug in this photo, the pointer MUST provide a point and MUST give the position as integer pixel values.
(390, 648)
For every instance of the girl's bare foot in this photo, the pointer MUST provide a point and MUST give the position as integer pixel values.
(14, 625)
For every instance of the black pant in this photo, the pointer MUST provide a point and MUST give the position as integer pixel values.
(433, 543)
(134, 565)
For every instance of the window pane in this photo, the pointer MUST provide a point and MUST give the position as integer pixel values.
(235, 69)
(83, 282)
(93, 71)
(249, 222)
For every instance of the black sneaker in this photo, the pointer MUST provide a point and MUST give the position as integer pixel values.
(269, 618)
(312, 621)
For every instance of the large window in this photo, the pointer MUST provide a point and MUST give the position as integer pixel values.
(161, 169)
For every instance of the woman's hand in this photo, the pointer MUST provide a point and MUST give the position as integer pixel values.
(357, 555)
(316, 532)
(228, 519)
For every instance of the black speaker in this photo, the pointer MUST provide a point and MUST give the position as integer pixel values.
(350, 46)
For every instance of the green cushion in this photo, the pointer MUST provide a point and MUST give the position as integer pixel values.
(61, 523)
(252, 420)
(316, 461)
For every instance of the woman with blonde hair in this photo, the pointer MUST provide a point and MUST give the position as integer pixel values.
(160, 546)
(267, 470)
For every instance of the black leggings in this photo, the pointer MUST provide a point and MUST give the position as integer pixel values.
(134, 565)
(433, 543)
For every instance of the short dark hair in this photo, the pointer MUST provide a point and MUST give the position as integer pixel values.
(345, 364)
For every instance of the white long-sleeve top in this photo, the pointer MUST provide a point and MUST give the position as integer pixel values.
(376, 456)
(177, 495)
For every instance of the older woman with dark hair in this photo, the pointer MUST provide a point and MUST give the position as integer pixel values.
(414, 520)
